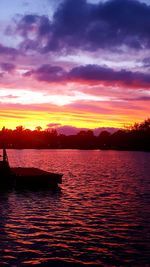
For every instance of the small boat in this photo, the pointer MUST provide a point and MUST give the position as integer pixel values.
(28, 178)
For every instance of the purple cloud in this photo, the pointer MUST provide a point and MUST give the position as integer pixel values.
(32, 23)
(8, 67)
(79, 24)
(8, 50)
(146, 62)
(90, 73)
(98, 73)
(48, 73)
(27, 24)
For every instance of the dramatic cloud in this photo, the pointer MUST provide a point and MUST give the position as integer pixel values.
(90, 73)
(48, 73)
(80, 63)
(32, 25)
(79, 24)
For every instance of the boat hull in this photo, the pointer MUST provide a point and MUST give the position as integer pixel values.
(30, 178)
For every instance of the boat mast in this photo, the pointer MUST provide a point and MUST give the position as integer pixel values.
(5, 157)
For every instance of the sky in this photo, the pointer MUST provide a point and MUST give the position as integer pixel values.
(74, 63)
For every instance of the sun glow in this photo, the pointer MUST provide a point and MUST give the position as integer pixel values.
(27, 97)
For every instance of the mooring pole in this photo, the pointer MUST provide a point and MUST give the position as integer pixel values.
(5, 157)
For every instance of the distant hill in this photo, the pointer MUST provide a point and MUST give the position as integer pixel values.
(70, 130)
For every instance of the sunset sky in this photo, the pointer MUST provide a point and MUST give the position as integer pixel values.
(74, 62)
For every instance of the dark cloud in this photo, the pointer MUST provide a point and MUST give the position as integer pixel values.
(146, 62)
(79, 24)
(44, 26)
(27, 24)
(8, 67)
(98, 73)
(29, 44)
(34, 24)
(48, 73)
(90, 73)
(33, 28)
(8, 51)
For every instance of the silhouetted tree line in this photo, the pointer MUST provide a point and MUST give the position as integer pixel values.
(137, 137)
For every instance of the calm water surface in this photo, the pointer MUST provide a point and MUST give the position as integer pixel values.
(99, 217)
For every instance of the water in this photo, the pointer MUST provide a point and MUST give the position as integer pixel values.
(100, 216)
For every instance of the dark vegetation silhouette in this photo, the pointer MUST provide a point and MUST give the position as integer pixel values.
(136, 137)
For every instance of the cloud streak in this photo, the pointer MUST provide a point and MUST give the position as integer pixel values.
(90, 73)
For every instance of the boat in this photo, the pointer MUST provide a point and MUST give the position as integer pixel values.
(26, 178)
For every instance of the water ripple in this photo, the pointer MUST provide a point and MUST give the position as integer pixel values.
(99, 218)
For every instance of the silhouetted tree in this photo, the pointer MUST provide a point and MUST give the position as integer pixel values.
(137, 137)
(38, 128)
(104, 140)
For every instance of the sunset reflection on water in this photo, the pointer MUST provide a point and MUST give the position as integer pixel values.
(99, 217)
